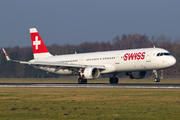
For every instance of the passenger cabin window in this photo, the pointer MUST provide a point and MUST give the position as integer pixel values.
(163, 54)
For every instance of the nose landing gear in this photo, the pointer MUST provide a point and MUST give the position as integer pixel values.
(157, 79)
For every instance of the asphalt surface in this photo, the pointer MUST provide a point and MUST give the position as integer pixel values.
(95, 85)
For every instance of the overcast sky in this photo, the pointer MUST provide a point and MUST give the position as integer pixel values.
(77, 21)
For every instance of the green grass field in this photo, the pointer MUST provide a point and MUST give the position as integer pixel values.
(88, 103)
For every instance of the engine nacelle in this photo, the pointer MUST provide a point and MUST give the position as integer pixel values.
(137, 75)
(90, 73)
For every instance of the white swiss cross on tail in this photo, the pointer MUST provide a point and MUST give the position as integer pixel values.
(39, 48)
(36, 42)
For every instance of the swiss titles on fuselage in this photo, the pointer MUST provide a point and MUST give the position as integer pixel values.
(134, 56)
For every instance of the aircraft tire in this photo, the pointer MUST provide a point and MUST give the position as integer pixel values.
(113, 80)
(156, 80)
(116, 80)
(81, 81)
(85, 81)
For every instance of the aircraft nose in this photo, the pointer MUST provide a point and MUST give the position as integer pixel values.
(172, 61)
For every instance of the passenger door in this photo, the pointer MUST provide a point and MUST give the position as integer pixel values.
(148, 56)
(81, 61)
(117, 59)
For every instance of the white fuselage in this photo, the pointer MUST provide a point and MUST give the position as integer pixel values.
(135, 62)
(115, 61)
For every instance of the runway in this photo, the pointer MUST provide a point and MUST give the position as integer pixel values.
(94, 85)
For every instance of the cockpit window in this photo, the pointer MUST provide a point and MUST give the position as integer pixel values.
(163, 54)
(166, 53)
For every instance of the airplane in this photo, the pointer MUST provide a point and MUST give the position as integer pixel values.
(134, 62)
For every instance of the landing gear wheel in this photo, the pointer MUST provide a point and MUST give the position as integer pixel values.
(116, 80)
(85, 81)
(156, 80)
(82, 81)
(113, 80)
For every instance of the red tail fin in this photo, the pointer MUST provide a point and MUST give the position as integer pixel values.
(39, 48)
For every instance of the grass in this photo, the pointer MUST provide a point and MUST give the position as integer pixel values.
(87, 103)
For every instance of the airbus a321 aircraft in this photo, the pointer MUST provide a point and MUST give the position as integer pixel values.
(135, 62)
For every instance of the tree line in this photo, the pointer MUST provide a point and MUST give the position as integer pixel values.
(126, 41)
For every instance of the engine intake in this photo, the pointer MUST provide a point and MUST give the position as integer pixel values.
(90, 73)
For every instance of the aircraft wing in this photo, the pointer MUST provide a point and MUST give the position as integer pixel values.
(53, 64)
(62, 65)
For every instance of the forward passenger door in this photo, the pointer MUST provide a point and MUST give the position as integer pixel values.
(148, 56)
(117, 59)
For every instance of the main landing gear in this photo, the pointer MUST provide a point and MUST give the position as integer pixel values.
(82, 81)
(156, 76)
(114, 79)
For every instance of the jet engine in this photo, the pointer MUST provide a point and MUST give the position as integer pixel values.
(90, 73)
(137, 75)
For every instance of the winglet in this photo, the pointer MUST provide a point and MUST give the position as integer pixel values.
(6, 55)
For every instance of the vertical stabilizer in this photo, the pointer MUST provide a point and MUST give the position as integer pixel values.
(38, 46)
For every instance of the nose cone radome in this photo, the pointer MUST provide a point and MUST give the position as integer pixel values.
(172, 61)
